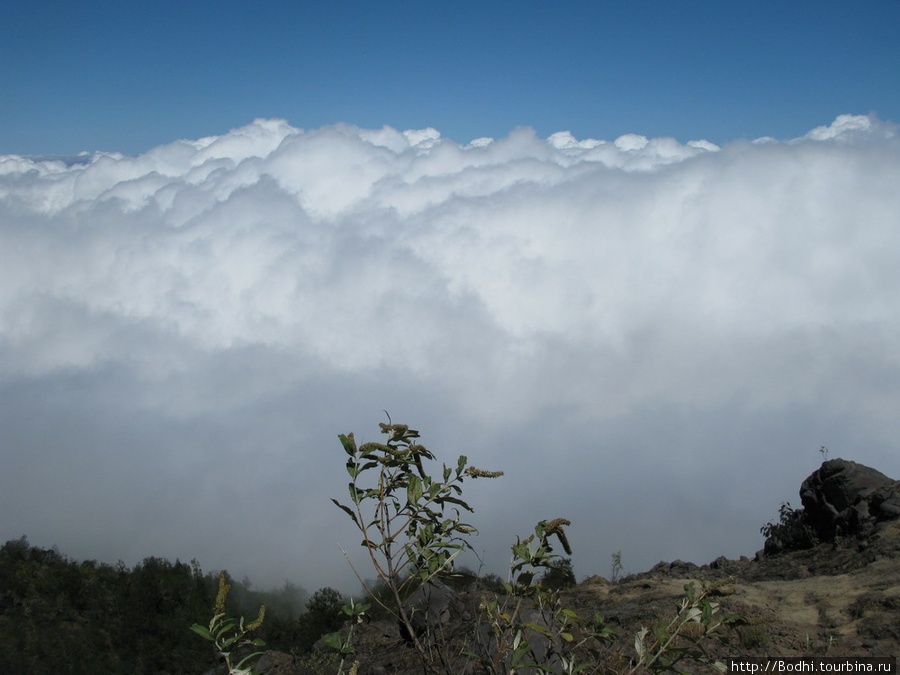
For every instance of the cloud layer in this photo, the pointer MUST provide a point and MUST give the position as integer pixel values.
(651, 338)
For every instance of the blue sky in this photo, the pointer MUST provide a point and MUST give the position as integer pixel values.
(129, 76)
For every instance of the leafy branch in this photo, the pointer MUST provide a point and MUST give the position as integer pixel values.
(229, 634)
(410, 521)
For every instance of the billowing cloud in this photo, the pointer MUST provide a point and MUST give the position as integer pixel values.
(652, 338)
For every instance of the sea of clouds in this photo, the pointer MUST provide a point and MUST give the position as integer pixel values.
(651, 338)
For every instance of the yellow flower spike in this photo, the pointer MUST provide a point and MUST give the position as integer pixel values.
(224, 588)
(472, 472)
(259, 619)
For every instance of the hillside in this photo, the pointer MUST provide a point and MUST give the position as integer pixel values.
(827, 583)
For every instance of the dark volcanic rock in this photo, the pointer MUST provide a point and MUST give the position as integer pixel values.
(275, 663)
(430, 608)
(847, 499)
(673, 570)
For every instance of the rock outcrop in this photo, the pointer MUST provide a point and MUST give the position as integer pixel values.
(844, 503)
(846, 499)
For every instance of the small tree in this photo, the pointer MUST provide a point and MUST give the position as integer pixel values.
(530, 628)
(792, 532)
(560, 576)
(616, 567)
(323, 615)
(410, 521)
(326, 604)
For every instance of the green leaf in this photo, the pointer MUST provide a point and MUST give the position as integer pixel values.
(458, 502)
(690, 591)
(461, 464)
(245, 659)
(693, 614)
(414, 490)
(333, 640)
(348, 443)
(225, 626)
(347, 510)
(202, 631)
(639, 642)
(537, 628)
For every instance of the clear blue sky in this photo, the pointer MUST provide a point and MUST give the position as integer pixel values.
(127, 76)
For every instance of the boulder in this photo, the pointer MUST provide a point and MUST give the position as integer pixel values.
(847, 499)
(673, 570)
(275, 663)
(430, 609)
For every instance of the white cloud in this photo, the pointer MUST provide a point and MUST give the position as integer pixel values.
(853, 127)
(641, 332)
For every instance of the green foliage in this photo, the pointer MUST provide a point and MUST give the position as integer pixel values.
(559, 577)
(62, 616)
(616, 567)
(410, 521)
(544, 638)
(534, 555)
(356, 614)
(230, 635)
(682, 638)
(790, 533)
(324, 614)
(325, 603)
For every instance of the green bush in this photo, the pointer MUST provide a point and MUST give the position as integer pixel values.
(410, 521)
(792, 532)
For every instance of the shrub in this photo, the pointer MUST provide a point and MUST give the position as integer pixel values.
(230, 635)
(792, 532)
(410, 521)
